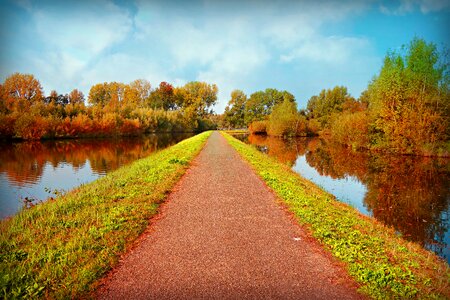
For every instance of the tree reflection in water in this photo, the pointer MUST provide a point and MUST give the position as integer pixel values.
(24, 164)
(411, 194)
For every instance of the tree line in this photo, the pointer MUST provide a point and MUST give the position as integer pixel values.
(404, 109)
(113, 108)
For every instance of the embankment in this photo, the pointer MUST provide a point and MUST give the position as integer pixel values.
(386, 266)
(58, 249)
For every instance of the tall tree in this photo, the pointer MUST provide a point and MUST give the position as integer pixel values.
(108, 94)
(137, 93)
(235, 110)
(409, 100)
(328, 101)
(76, 96)
(198, 97)
(163, 97)
(20, 91)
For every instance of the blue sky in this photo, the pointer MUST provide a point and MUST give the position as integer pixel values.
(299, 46)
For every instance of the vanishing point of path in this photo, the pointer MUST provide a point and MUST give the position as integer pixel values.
(222, 235)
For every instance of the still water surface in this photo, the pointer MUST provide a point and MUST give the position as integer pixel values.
(410, 194)
(37, 170)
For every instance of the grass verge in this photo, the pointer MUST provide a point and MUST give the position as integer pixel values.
(58, 249)
(385, 265)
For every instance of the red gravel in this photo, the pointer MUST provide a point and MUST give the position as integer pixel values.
(222, 235)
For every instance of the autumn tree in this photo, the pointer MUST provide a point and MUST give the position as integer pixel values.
(76, 96)
(20, 91)
(163, 97)
(235, 110)
(52, 97)
(197, 97)
(137, 93)
(107, 94)
(409, 100)
(56, 99)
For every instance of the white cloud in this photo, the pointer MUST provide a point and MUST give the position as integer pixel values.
(73, 38)
(224, 44)
(427, 6)
(125, 68)
(409, 6)
(85, 30)
(331, 50)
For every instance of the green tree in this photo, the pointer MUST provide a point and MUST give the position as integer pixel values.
(235, 110)
(327, 102)
(260, 104)
(409, 100)
(284, 119)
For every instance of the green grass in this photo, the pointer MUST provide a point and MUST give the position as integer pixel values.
(384, 265)
(59, 249)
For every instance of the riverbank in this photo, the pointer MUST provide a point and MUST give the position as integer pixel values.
(58, 249)
(384, 264)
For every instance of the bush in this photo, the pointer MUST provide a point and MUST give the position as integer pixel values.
(283, 119)
(351, 129)
(7, 126)
(314, 127)
(31, 127)
(258, 127)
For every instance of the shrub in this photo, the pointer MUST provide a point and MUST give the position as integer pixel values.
(351, 129)
(283, 119)
(258, 127)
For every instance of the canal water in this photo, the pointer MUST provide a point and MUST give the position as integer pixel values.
(34, 171)
(410, 194)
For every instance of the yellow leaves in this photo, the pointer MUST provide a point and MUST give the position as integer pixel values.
(20, 91)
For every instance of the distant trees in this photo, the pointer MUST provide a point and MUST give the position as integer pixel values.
(57, 99)
(405, 109)
(270, 111)
(285, 120)
(76, 97)
(260, 104)
(163, 97)
(136, 93)
(234, 114)
(329, 102)
(114, 109)
(197, 97)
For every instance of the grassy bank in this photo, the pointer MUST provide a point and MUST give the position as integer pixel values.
(385, 265)
(60, 248)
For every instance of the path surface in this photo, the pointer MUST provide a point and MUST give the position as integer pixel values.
(221, 235)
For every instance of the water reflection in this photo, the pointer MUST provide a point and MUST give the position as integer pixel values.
(36, 169)
(411, 194)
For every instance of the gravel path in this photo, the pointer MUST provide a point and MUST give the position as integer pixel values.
(222, 235)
